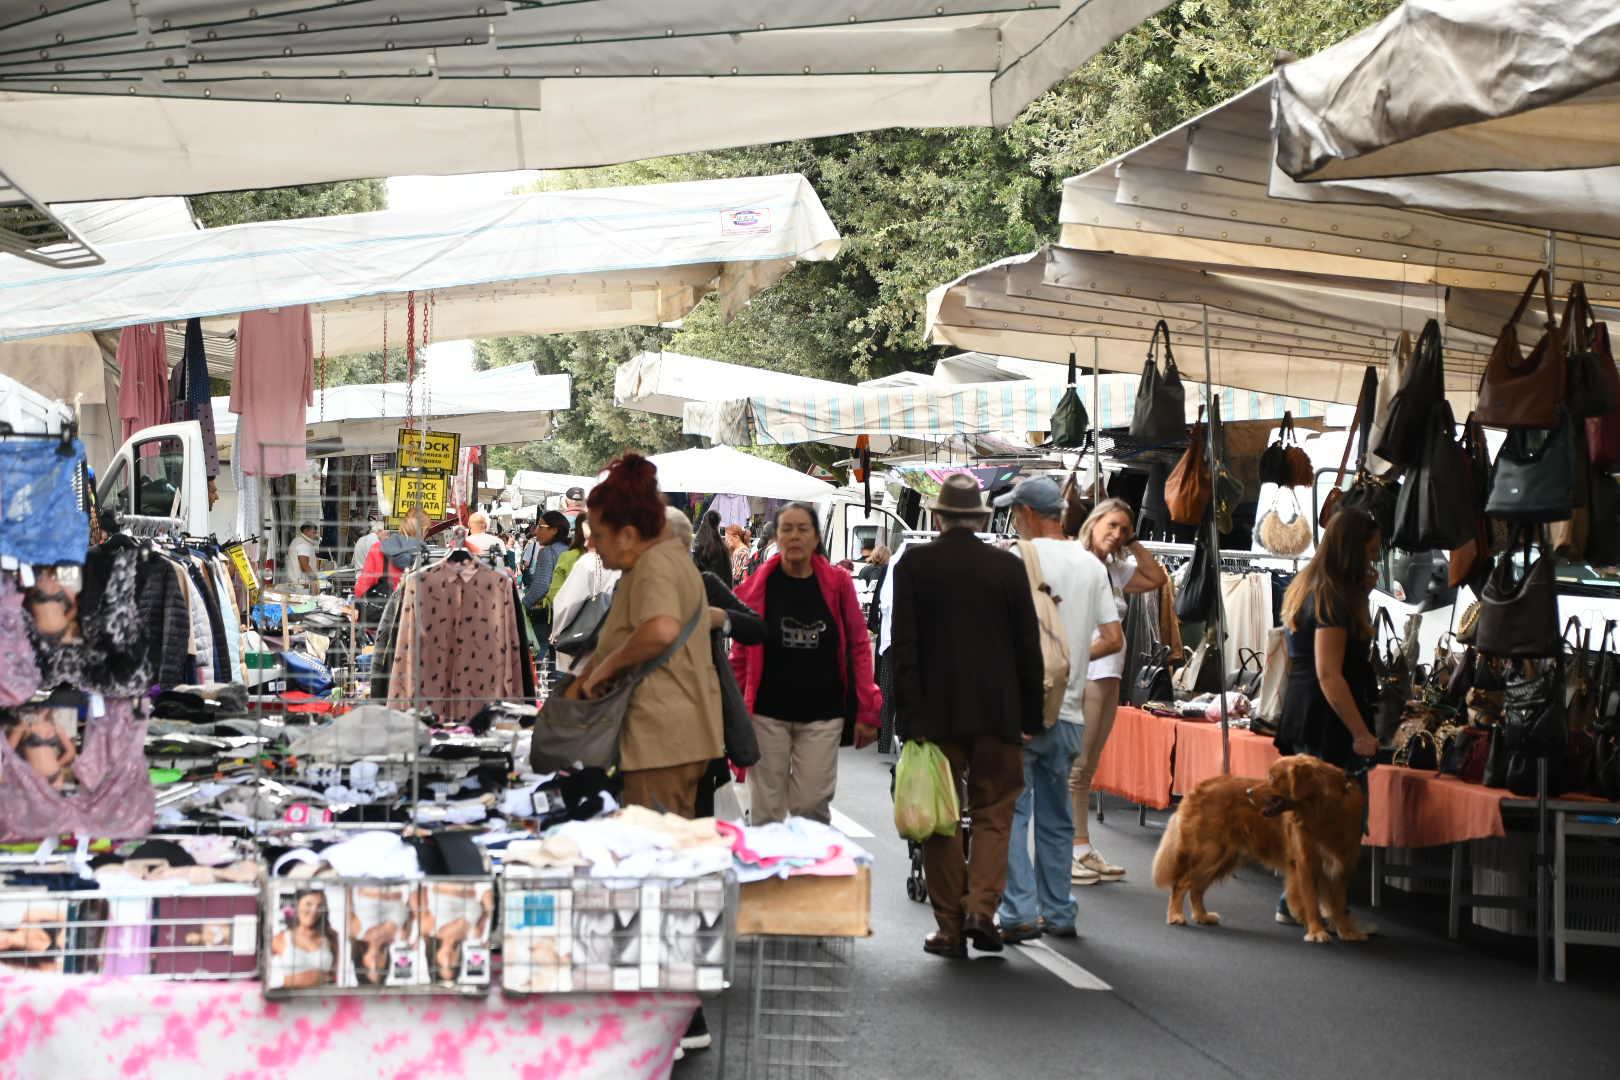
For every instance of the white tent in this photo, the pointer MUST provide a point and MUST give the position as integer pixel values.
(505, 405)
(1442, 86)
(533, 485)
(662, 383)
(576, 260)
(101, 100)
(724, 471)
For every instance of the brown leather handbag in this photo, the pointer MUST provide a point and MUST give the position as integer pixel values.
(1190, 487)
(1519, 390)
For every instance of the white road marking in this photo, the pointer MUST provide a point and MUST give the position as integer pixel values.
(1061, 966)
(849, 826)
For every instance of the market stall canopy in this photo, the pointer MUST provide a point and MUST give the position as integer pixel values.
(1024, 407)
(1446, 86)
(504, 405)
(1209, 191)
(721, 470)
(1271, 332)
(188, 96)
(536, 485)
(574, 260)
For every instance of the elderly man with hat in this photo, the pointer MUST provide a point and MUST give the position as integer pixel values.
(1037, 899)
(967, 677)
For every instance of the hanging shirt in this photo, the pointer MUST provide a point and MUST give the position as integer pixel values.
(801, 676)
(143, 387)
(733, 510)
(273, 383)
(457, 646)
(189, 395)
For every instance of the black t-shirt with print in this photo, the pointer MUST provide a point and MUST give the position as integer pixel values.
(801, 678)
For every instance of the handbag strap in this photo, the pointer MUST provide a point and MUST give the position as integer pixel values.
(1153, 346)
(1072, 370)
(1360, 428)
(1578, 316)
(1529, 290)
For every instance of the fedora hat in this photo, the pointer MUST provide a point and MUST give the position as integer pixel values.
(959, 494)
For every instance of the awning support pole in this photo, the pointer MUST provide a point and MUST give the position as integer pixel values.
(1096, 423)
(1215, 548)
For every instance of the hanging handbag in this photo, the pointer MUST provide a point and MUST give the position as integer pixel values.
(1202, 672)
(1606, 680)
(1069, 420)
(1535, 725)
(1287, 535)
(1200, 589)
(1525, 391)
(1470, 561)
(1591, 394)
(1421, 390)
(1400, 356)
(1434, 511)
(1519, 618)
(1394, 678)
(578, 638)
(1161, 402)
(1246, 680)
(1419, 578)
(1476, 754)
(1274, 675)
(1603, 432)
(1358, 431)
(1285, 463)
(1602, 547)
(742, 741)
(1152, 682)
(1496, 760)
(1536, 475)
(585, 731)
(1190, 488)
(1580, 682)
(1606, 765)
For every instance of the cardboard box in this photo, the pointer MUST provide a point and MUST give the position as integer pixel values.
(808, 906)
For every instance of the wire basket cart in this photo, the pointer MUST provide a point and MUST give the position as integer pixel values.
(789, 1015)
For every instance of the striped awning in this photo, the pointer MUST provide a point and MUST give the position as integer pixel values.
(1021, 407)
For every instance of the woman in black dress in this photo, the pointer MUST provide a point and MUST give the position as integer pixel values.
(1331, 690)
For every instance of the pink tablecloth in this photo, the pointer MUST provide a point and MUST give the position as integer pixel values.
(1135, 762)
(134, 1029)
(1198, 753)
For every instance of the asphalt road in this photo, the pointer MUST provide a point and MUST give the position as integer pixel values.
(1133, 997)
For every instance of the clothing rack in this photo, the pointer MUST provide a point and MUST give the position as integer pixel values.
(1164, 547)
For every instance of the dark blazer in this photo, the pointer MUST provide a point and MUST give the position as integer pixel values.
(966, 648)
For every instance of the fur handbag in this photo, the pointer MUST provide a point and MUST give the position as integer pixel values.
(1280, 535)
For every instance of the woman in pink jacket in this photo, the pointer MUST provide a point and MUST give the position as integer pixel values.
(809, 686)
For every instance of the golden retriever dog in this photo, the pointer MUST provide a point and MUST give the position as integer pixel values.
(1303, 820)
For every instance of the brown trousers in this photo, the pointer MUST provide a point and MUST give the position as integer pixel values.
(959, 886)
(672, 789)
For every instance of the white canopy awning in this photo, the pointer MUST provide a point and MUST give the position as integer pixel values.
(504, 405)
(1447, 86)
(185, 96)
(534, 484)
(576, 260)
(721, 470)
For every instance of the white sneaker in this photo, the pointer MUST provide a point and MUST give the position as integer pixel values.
(1094, 862)
(1081, 874)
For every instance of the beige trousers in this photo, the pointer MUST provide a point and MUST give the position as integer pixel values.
(797, 772)
(1099, 704)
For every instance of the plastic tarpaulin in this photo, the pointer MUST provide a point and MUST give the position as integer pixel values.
(187, 96)
(544, 263)
(721, 470)
(1444, 86)
(1023, 407)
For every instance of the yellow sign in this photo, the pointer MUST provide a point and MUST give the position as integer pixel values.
(426, 490)
(244, 569)
(430, 451)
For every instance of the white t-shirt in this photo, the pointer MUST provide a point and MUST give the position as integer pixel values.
(362, 548)
(1078, 580)
(1119, 574)
(296, 577)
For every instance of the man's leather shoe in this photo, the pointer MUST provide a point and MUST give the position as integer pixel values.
(948, 947)
(982, 932)
(1020, 933)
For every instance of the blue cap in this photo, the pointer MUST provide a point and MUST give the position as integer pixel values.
(1040, 493)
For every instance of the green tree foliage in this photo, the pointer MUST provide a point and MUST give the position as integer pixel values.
(279, 204)
(918, 208)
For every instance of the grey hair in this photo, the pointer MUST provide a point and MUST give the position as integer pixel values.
(678, 524)
(1100, 511)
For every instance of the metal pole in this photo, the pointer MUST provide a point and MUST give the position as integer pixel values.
(1215, 550)
(1096, 402)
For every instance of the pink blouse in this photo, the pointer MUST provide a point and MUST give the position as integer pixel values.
(273, 383)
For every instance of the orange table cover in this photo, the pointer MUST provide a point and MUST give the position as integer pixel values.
(1416, 808)
(1135, 762)
(1198, 754)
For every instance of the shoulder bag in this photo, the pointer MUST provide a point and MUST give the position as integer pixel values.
(1406, 422)
(1189, 489)
(1400, 356)
(1196, 599)
(1374, 495)
(1603, 432)
(1525, 391)
(1287, 536)
(1394, 677)
(1519, 617)
(1069, 419)
(1535, 725)
(1433, 511)
(1591, 392)
(1152, 681)
(578, 638)
(1470, 561)
(1055, 656)
(1161, 402)
(1246, 680)
(581, 731)
(1285, 463)
(1536, 474)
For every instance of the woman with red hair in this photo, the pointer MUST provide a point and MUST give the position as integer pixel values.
(673, 729)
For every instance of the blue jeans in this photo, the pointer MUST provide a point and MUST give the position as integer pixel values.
(1043, 889)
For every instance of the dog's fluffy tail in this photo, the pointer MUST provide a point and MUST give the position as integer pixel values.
(1167, 858)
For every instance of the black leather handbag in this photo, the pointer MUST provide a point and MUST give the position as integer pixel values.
(1069, 420)
(1518, 617)
(578, 638)
(1422, 388)
(1394, 679)
(1161, 402)
(1536, 477)
(1433, 511)
(1591, 391)
(1152, 682)
(1251, 669)
(1196, 601)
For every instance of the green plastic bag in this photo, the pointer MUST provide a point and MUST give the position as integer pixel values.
(925, 802)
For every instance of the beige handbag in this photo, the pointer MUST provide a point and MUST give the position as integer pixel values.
(1273, 676)
(1284, 535)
